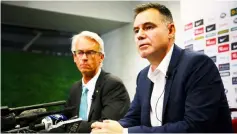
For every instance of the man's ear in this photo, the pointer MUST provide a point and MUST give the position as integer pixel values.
(172, 30)
(74, 58)
(102, 56)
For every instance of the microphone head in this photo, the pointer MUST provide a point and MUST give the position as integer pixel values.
(32, 112)
(28, 113)
(48, 122)
(53, 120)
(58, 117)
(93, 97)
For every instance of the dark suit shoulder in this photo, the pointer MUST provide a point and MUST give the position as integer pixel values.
(189, 57)
(77, 83)
(112, 78)
(75, 86)
(195, 56)
(111, 83)
(144, 71)
(194, 60)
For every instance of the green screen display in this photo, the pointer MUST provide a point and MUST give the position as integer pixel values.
(30, 78)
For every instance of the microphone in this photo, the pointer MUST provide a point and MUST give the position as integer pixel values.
(5, 110)
(24, 129)
(45, 125)
(11, 120)
(51, 120)
(49, 127)
(57, 103)
(32, 112)
(71, 126)
(57, 117)
(167, 76)
(48, 122)
(93, 97)
(34, 116)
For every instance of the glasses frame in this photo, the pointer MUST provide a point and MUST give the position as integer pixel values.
(88, 53)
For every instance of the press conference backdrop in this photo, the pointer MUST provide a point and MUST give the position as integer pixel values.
(212, 30)
(31, 78)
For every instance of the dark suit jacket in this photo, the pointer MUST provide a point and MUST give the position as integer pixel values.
(110, 102)
(194, 99)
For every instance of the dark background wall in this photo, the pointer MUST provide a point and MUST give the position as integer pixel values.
(30, 78)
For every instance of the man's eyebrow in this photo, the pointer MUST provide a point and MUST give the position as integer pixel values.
(146, 23)
(149, 23)
(134, 28)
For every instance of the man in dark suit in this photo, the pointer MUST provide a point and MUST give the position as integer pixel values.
(179, 92)
(98, 95)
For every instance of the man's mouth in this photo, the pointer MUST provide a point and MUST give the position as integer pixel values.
(84, 65)
(143, 45)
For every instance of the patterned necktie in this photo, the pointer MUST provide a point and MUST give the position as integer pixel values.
(83, 105)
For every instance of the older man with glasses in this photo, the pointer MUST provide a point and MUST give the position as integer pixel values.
(98, 95)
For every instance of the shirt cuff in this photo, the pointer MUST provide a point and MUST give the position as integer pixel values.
(125, 131)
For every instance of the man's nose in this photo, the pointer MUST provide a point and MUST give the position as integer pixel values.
(141, 34)
(84, 56)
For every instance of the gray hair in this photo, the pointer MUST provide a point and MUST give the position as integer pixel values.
(91, 35)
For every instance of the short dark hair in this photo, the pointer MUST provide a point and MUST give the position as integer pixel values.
(161, 8)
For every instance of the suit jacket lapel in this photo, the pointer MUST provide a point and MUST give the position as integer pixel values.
(78, 98)
(148, 88)
(97, 90)
(148, 103)
(168, 86)
(176, 55)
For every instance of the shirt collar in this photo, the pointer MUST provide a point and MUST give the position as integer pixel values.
(91, 84)
(162, 67)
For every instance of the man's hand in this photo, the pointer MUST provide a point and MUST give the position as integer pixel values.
(107, 126)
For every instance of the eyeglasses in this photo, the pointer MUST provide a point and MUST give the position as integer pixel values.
(89, 54)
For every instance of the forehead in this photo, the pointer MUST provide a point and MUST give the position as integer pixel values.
(86, 43)
(150, 15)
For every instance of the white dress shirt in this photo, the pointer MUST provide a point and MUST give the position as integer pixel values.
(158, 78)
(157, 96)
(91, 87)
